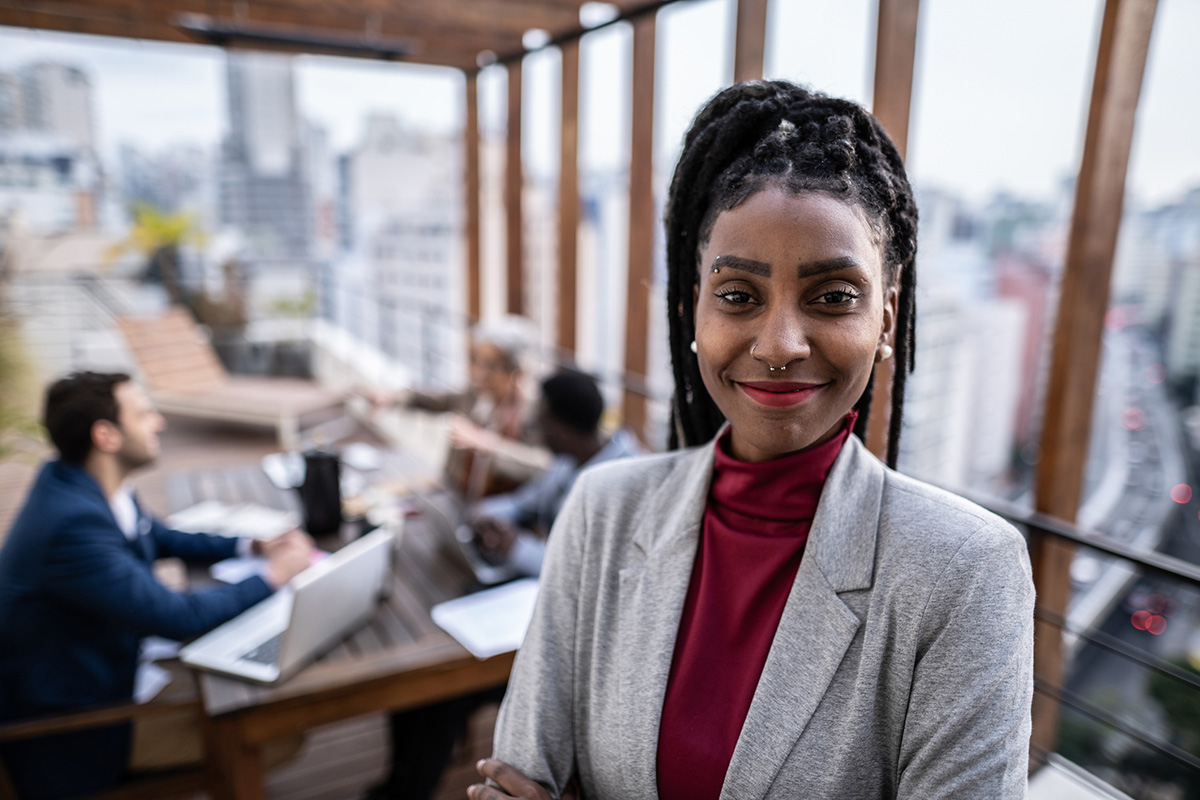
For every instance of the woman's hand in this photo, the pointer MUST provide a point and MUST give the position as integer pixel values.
(467, 435)
(513, 783)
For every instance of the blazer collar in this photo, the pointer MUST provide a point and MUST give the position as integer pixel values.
(841, 540)
(81, 480)
(78, 477)
(816, 628)
(814, 633)
(677, 508)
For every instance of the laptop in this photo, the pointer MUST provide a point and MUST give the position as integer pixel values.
(445, 513)
(272, 640)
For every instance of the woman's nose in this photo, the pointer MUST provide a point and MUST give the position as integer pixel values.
(782, 339)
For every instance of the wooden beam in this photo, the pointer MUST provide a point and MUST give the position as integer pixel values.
(641, 221)
(568, 201)
(441, 51)
(471, 198)
(437, 36)
(895, 54)
(1079, 329)
(513, 181)
(750, 40)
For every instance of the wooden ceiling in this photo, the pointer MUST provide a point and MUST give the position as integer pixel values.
(443, 32)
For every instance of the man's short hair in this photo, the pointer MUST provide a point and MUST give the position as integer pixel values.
(573, 398)
(74, 404)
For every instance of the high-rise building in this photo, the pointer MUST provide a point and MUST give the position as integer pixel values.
(49, 175)
(398, 285)
(58, 102)
(264, 190)
(12, 103)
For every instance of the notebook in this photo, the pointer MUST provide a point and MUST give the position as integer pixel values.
(329, 600)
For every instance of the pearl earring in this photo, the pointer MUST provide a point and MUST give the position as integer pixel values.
(885, 352)
(694, 348)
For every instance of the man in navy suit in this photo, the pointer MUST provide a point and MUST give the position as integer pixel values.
(77, 590)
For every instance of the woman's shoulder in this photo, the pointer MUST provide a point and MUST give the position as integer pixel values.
(922, 516)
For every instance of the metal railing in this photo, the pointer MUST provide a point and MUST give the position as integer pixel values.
(1154, 564)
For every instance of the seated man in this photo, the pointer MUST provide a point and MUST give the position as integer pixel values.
(77, 590)
(511, 528)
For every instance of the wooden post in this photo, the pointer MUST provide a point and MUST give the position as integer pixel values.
(1079, 330)
(513, 181)
(895, 52)
(641, 222)
(568, 200)
(750, 40)
(471, 201)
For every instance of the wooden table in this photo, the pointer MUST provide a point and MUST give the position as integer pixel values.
(400, 659)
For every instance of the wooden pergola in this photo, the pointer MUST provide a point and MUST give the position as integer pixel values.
(472, 34)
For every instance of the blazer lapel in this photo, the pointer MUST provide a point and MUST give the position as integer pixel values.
(652, 595)
(816, 628)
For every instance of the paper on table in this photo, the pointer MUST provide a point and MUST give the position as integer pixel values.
(238, 568)
(149, 681)
(247, 520)
(151, 678)
(490, 622)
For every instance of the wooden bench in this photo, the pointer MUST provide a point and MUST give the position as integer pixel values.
(186, 379)
(182, 782)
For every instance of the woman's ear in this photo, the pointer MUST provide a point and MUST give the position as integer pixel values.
(891, 305)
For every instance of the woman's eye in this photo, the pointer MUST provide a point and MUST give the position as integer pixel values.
(735, 297)
(838, 297)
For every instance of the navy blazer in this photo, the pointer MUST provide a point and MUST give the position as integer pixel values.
(76, 598)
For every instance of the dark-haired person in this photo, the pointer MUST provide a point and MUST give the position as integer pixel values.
(77, 590)
(513, 527)
(772, 612)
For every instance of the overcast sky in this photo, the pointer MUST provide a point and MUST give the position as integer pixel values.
(1000, 93)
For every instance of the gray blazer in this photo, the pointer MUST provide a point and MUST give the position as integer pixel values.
(902, 666)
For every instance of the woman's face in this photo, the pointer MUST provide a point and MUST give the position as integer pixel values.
(491, 373)
(798, 280)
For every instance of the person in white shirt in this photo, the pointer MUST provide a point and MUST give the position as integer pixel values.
(77, 588)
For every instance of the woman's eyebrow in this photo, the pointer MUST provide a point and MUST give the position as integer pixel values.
(745, 264)
(811, 268)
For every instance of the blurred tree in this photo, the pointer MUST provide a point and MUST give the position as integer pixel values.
(18, 426)
(1180, 703)
(159, 235)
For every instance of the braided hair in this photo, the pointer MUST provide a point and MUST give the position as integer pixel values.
(761, 133)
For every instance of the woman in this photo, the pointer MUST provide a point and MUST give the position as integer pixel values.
(495, 399)
(494, 444)
(706, 628)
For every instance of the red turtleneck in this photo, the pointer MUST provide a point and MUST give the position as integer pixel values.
(751, 543)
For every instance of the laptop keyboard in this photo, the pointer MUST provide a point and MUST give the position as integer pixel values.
(267, 652)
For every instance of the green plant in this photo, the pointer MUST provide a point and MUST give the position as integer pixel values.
(158, 235)
(18, 425)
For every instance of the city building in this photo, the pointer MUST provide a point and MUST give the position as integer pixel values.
(50, 179)
(264, 189)
(397, 284)
(58, 102)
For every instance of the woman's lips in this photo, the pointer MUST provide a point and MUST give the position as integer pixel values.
(779, 393)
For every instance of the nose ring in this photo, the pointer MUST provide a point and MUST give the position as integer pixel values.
(756, 358)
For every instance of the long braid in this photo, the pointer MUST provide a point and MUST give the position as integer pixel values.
(761, 132)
